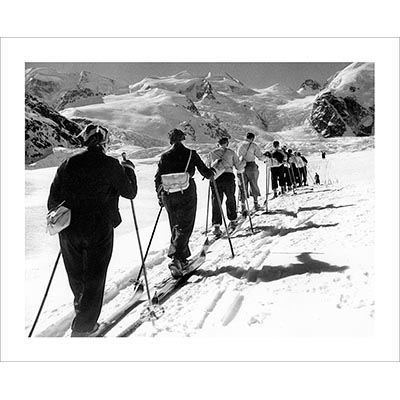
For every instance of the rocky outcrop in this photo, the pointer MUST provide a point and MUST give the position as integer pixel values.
(78, 98)
(309, 87)
(45, 129)
(333, 116)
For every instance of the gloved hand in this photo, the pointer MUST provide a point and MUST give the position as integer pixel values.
(128, 164)
(159, 196)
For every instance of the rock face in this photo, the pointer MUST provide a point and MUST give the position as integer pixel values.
(45, 129)
(309, 87)
(346, 106)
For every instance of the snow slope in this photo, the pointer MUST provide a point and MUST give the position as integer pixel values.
(307, 271)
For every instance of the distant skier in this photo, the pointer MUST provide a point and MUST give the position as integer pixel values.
(323, 154)
(316, 179)
(180, 203)
(287, 171)
(223, 160)
(295, 165)
(303, 172)
(90, 183)
(277, 172)
(247, 152)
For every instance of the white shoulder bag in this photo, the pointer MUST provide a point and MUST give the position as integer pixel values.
(176, 182)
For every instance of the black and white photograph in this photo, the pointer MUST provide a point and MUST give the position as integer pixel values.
(200, 199)
(169, 205)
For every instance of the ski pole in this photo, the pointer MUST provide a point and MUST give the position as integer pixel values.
(141, 254)
(267, 179)
(148, 246)
(45, 294)
(246, 202)
(208, 206)
(222, 214)
(291, 178)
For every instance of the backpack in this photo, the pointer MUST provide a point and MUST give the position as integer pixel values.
(178, 181)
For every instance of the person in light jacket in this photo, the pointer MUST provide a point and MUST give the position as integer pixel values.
(223, 160)
(247, 152)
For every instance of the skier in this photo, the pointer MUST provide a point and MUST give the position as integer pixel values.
(223, 160)
(304, 172)
(277, 172)
(317, 180)
(323, 154)
(247, 152)
(294, 167)
(180, 204)
(90, 183)
(286, 171)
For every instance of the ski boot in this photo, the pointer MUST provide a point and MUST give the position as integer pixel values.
(175, 267)
(257, 207)
(232, 224)
(217, 231)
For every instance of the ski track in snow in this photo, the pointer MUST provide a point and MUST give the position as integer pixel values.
(306, 270)
(315, 211)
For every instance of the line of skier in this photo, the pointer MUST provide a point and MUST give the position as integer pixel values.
(89, 185)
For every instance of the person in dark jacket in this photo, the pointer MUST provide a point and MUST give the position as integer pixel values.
(181, 205)
(90, 183)
(277, 169)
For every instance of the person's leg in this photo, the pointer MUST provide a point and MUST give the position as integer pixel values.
(183, 215)
(216, 212)
(97, 256)
(229, 189)
(72, 253)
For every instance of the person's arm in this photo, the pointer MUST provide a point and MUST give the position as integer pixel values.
(239, 165)
(258, 153)
(124, 180)
(201, 167)
(56, 195)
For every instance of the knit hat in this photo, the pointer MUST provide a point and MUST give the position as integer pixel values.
(176, 135)
(250, 135)
(94, 135)
(223, 140)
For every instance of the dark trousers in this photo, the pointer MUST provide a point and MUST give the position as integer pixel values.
(181, 208)
(277, 174)
(296, 174)
(225, 186)
(287, 173)
(303, 174)
(86, 252)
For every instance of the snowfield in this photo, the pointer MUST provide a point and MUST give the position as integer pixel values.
(307, 271)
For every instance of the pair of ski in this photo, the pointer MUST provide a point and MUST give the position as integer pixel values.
(164, 289)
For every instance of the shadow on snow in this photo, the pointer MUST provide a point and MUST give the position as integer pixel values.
(272, 273)
(274, 231)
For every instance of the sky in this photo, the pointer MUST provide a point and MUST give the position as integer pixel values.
(254, 75)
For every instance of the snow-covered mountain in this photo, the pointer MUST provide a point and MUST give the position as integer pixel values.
(346, 105)
(70, 89)
(208, 107)
(45, 129)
